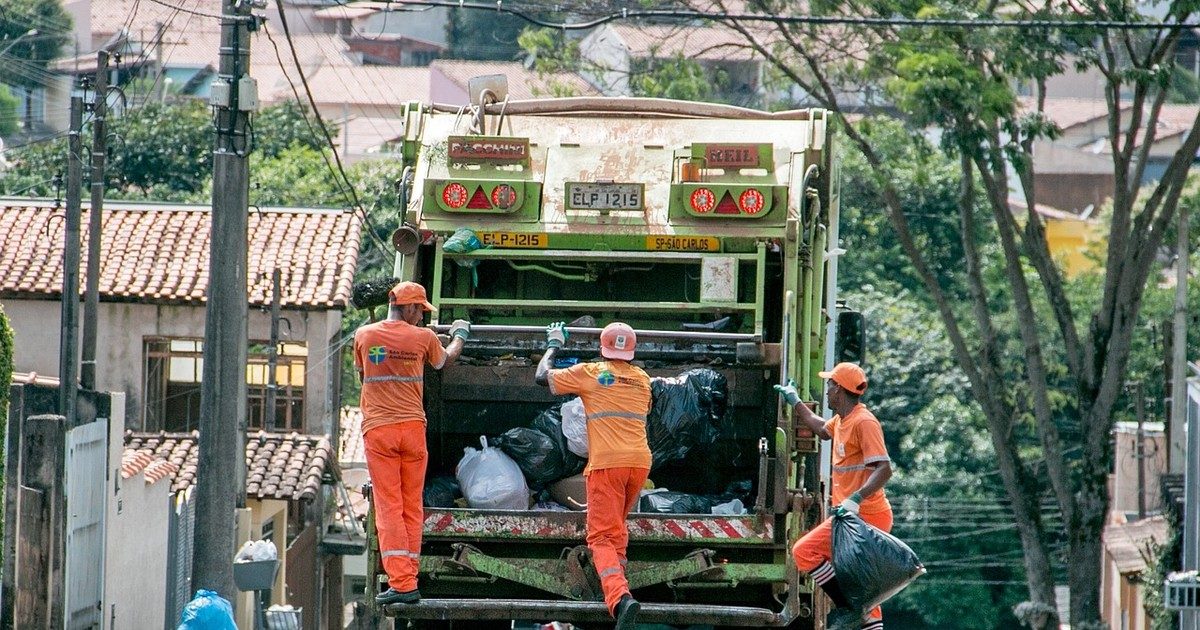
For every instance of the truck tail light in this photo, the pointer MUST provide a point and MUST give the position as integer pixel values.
(703, 200)
(727, 206)
(751, 201)
(503, 196)
(479, 201)
(455, 195)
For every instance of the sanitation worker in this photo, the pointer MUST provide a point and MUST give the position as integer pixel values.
(391, 356)
(616, 400)
(860, 468)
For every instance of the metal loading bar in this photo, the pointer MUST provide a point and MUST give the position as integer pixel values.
(480, 609)
(642, 334)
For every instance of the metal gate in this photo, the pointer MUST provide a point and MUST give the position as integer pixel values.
(182, 519)
(86, 480)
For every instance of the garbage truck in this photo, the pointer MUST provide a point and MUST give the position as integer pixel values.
(710, 229)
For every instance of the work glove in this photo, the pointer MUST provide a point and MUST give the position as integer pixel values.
(461, 328)
(789, 392)
(850, 505)
(556, 335)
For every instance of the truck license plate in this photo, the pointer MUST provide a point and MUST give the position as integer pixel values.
(683, 244)
(592, 196)
(513, 240)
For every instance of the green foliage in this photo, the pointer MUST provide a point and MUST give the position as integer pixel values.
(8, 111)
(484, 35)
(673, 77)
(27, 60)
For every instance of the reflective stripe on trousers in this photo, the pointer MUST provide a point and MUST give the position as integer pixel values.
(403, 553)
(393, 379)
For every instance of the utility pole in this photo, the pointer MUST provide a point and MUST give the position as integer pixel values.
(159, 87)
(68, 347)
(99, 153)
(221, 466)
(1140, 403)
(272, 354)
(1179, 414)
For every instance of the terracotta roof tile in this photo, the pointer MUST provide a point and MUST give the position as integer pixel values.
(350, 451)
(160, 254)
(691, 42)
(522, 83)
(1130, 544)
(278, 466)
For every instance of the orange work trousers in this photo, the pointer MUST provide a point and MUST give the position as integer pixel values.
(816, 547)
(396, 460)
(611, 494)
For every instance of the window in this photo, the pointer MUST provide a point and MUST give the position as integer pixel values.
(173, 370)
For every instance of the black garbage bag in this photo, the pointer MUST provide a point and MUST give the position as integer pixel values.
(871, 564)
(541, 450)
(667, 502)
(687, 410)
(441, 492)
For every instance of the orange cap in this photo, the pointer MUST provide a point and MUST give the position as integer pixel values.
(409, 293)
(849, 376)
(617, 341)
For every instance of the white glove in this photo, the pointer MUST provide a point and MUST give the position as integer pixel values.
(556, 335)
(851, 503)
(461, 328)
(789, 393)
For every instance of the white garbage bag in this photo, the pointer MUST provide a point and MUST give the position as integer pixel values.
(574, 426)
(491, 480)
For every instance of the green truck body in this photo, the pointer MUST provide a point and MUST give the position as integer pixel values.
(706, 228)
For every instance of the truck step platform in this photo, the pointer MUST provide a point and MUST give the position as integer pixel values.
(557, 610)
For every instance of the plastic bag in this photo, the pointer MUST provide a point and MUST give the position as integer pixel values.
(687, 410)
(541, 450)
(256, 550)
(574, 426)
(440, 492)
(207, 611)
(733, 507)
(667, 502)
(464, 241)
(491, 480)
(871, 564)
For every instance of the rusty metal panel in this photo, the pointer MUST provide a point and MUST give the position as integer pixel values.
(461, 524)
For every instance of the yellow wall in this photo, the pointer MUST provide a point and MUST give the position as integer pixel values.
(1077, 245)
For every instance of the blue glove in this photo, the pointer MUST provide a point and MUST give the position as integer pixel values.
(556, 335)
(789, 392)
(461, 328)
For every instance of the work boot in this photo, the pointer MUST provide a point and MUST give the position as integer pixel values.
(392, 596)
(843, 619)
(626, 612)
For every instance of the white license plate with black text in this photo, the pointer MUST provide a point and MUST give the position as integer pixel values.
(606, 196)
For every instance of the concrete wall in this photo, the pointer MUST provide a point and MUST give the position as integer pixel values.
(609, 54)
(1125, 466)
(120, 346)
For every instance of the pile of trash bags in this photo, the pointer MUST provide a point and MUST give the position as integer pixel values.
(541, 463)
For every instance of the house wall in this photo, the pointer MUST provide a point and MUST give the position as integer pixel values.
(429, 25)
(123, 328)
(1073, 191)
(1125, 483)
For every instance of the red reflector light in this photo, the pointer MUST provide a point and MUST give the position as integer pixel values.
(479, 201)
(455, 195)
(751, 201)
(503, 196)
(703, 200)
(727, 206)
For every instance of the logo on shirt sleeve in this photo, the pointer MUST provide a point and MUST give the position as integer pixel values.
(377, 354)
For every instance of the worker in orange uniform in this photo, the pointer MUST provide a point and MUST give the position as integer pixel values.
(391, 356)
(861, 467)
(616, 401)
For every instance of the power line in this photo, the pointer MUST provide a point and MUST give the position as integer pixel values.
(816, 20)
(324, 130)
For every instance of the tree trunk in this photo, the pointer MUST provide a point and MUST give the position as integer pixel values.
(1084, 542)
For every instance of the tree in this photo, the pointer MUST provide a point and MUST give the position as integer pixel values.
(32, 34)
(484, 35)
(8, 111)
(1070, 374)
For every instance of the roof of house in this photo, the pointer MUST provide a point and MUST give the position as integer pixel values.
(111, 16)
(388, 86)
(1129, 544)
(344, 12)
(1069, 112)
(523, 83)
(363, 135)
(350, 450)
(278, 466)
(159, 253)
(692, 42)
